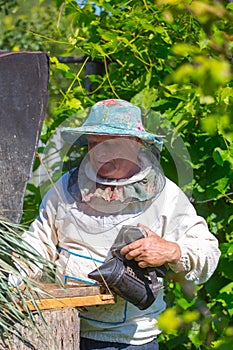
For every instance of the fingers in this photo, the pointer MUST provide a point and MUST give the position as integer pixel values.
(148, 231)
(131, 250)
(143, 264)
(152, 250)
(138, 254)
(141, 250)
(134, 249)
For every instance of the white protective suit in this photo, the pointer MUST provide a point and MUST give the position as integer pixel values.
(77, 237)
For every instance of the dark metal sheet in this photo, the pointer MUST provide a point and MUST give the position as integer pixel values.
(23, 100)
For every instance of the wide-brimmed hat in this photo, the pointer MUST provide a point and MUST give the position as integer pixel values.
(112, 117)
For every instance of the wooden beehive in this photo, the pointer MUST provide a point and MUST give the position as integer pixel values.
(23, 98)
(60, 310)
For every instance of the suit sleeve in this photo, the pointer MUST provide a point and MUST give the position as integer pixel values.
(199, 247)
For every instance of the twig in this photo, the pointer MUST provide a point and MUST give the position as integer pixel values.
(214, 199)
(110, 83)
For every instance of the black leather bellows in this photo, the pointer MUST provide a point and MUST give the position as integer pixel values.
(139, 286)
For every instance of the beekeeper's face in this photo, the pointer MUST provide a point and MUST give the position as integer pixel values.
(114, 157)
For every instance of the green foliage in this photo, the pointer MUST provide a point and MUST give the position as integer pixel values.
(5, 5)
(174, 59)
(13, 307)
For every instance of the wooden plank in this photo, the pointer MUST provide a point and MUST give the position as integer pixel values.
(54, 296)
(46, 304)
(69, 290)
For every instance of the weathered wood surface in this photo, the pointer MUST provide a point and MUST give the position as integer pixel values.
(60, 328)
(55, 296)
(59, 332)
(23, 100)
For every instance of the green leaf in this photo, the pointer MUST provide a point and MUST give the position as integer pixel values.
(220, 156)
(108, 35)
(185, 304)
(209, 124)
(227, 289)
(225, 297)
(61, 66)
(74, 103)
(225, 94)
(230, 6)
(145, 97)
(184, 49)
(230, 219)
(169, 321)
(221, 185)
(194, 335)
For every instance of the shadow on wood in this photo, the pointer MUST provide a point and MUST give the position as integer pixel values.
(23, 96)
(59, 328)
(58, 331)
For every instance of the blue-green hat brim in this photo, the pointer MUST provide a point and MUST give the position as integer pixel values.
(78, 135)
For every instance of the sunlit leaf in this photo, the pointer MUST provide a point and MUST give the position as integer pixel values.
(169, 321)
(194, 335)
